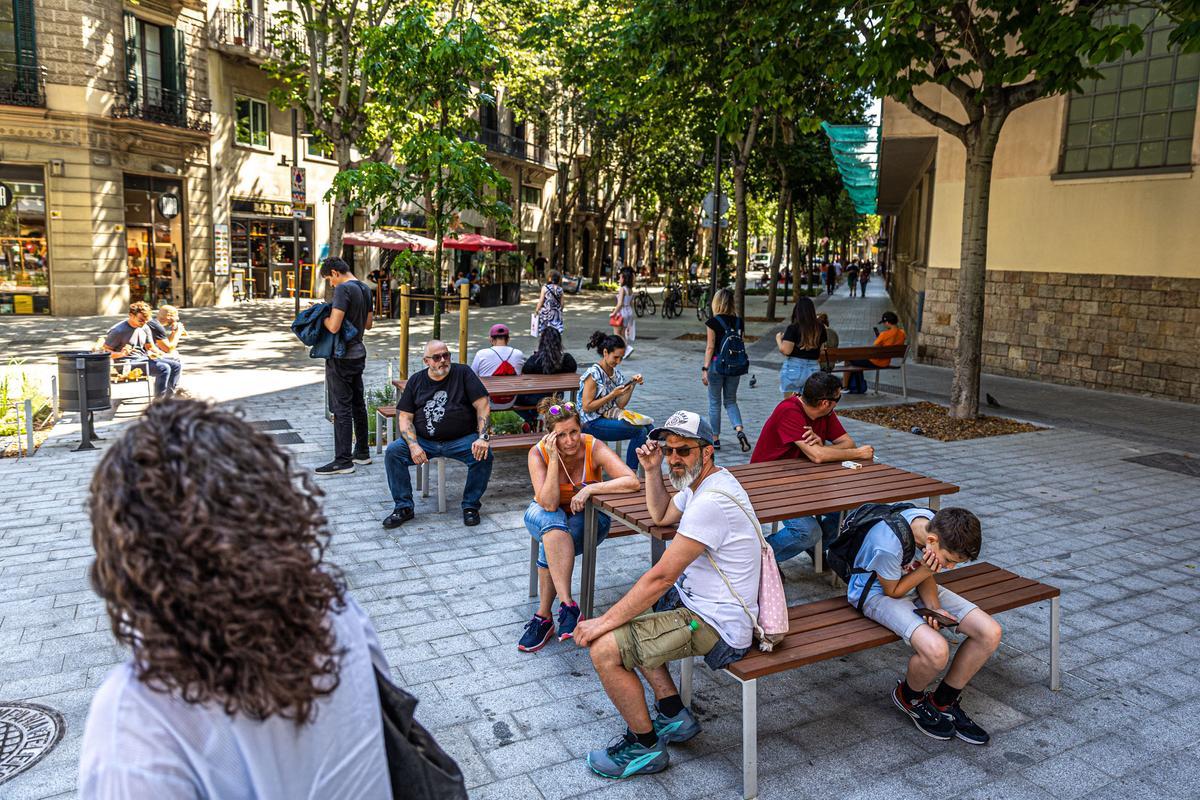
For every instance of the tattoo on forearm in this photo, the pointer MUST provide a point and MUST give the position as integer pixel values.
(483, 421)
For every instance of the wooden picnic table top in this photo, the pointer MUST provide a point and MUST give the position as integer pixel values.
(781, 490)
(522, 384)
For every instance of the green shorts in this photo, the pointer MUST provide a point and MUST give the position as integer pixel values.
(654, 638)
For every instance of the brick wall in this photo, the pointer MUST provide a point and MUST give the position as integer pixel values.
(1115, 332)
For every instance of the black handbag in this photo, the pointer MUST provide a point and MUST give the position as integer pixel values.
(418, 767)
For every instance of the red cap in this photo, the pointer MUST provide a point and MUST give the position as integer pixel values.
(499, 329)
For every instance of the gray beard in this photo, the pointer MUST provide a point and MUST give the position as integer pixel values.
(685, 480)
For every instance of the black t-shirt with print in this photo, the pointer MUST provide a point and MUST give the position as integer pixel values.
(442, 410)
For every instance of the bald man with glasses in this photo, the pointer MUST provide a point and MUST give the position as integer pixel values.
(443, 413)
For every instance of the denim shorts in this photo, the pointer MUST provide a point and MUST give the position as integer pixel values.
(795, 372)
(538, 520)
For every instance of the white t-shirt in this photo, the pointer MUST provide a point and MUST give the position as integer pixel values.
(488, 360)
(881, 553)
(720, 525)
(140, 743)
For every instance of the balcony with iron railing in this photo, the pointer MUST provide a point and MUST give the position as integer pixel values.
(162, 106)
(507, 145)
(22, 85)
(243, 34)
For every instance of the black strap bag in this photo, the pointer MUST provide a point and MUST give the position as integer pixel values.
(418, 767)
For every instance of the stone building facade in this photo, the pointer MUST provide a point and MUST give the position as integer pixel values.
(1092, 276)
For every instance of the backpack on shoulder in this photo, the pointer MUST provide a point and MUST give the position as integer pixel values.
(732, 359)
(843, 550)
(505, 368)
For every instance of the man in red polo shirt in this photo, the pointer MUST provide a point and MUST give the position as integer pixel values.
(805, 426)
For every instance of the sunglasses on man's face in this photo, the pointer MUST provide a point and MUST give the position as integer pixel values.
(682, 451)
(435, 357)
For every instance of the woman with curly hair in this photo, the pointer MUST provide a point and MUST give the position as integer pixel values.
(252, 673)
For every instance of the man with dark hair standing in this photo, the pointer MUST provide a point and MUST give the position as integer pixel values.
(343, 376)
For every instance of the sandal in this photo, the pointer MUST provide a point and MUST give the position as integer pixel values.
(745, 443)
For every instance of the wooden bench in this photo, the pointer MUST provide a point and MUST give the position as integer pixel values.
(830, 357)
(832, 628)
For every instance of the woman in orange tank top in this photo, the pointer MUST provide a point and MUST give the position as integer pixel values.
(565, 468)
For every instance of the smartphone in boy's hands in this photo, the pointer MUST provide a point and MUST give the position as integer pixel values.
(928, 614)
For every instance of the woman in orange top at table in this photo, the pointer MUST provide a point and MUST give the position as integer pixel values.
(565, 468)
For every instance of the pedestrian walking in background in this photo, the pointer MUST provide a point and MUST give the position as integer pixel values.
(800, 343)
(252, 673)
(550, 304)
(830, 278)
(622, 319)
(604, 392)
(852, 277)
(343, 376)
(864, 277)
(722, 387)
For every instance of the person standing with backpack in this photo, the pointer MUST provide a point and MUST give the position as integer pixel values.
(725, 362)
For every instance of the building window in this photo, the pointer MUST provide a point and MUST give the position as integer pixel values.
(252, 129)
(155, 72)
(532, 195)
(1141, 112)
(318, 148)
(20, 77)
(24, 252)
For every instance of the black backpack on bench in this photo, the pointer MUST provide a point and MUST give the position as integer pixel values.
(858, 523)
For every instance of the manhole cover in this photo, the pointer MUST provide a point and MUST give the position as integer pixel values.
(1172, 462)
(271, 424)
(287, 437)
(27, 733)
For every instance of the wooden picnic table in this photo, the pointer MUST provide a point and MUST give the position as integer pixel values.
(524, 384)
(778, 490)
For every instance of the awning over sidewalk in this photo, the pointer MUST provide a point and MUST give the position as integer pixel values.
(389, 240)
(477, 241)
(902, 162)
(856, 152)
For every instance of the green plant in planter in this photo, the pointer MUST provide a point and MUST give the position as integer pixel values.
(380, 396)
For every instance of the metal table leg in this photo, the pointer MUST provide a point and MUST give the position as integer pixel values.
(685, 680)
(1055, 617)
(587, 578)
(749, 740)
(935, 503)
(533, 567)
(657, 548)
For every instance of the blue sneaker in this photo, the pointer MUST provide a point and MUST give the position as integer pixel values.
(568, 618)
(537, 633)
(625, 758)
(679, 728)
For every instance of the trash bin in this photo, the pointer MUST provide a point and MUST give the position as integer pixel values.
(94, 368)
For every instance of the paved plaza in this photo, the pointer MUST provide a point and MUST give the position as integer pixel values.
(1064, 505)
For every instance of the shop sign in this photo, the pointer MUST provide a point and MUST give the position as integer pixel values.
(6, 195)
(264, 207)
(168, 205)
(221, 250)
(299, 195)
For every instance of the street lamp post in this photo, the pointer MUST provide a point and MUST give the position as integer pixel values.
(295, 219)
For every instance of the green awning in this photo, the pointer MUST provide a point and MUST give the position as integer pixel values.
(855, 150)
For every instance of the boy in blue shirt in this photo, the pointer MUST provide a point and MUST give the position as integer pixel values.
(944, 540)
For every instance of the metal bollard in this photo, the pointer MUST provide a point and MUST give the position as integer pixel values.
(54, 397)
(28, 427)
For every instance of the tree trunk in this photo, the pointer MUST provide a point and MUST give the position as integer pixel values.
(793, 249)
(598, 253)
(972, 270)
(785, 195)
(743, 232)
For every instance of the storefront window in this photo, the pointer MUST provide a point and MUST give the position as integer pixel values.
(154, 240)
(261, 247)
(24, 255)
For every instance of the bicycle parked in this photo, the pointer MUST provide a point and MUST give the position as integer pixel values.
(672, 301)
(642, 301)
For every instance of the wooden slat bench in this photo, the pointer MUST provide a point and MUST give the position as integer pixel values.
(831, 628)
(830, 357)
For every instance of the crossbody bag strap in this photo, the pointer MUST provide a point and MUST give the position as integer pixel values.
(754, 523)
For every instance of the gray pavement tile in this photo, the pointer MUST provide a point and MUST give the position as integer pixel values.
(523, 757)
(1008, 787)
(520, 787)
(1066, 776)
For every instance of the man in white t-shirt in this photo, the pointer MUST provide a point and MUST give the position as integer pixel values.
(499, 359)
(694, 611)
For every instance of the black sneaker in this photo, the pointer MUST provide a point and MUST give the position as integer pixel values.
(928, 719)
(964, 727)
(362, 458)
(335, 468)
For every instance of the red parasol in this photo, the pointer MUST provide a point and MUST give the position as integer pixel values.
(477, 241)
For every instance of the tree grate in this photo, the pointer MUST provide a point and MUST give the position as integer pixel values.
(271, 424)
(1172, 462)
(287, 437)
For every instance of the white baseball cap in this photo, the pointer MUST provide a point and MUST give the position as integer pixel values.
(688, 424)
